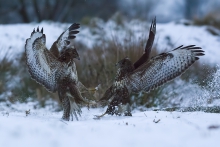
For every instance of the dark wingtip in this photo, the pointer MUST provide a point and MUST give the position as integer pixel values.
(71, 37)
(74, 26)
(73, 32)
(198, 51)
(197, 58)
(189, 46)
(178, 47)
(153, 23)
(38, 29)
(42, 30)
(194, 48)
(200, 54)
(33, 32)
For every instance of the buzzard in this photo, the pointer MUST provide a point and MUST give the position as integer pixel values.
(55, 69)
(143, 75)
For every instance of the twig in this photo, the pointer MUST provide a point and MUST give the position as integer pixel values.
(212, 127)
(156, 121)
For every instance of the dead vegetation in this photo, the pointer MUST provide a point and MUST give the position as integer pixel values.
(211, 19)
(97, 66)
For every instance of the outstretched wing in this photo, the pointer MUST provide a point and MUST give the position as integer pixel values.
(163, 68)
(65, 40)
(148, 46)
(42, 65)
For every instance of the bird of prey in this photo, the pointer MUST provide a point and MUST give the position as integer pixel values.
(143, 75)
(55, 69)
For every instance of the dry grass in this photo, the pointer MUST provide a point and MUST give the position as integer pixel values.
(97, 66)
(212, 19)
(16, 84)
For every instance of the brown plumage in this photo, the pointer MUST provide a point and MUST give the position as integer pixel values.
(55, 69)
(147, 76)
(148, 46)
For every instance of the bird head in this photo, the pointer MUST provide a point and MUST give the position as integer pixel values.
(124, 63)
(68, 54)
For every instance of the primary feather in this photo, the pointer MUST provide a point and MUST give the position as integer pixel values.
(163, 68)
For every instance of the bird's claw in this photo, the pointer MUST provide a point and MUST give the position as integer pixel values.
(75, 110)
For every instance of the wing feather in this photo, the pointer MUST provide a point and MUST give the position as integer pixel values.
(148, 46)
(42, 65)
(65, 39)
(163, 68)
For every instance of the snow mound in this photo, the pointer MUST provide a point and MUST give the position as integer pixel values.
(151, 128)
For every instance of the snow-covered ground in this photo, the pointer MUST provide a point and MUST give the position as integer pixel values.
(43, 127)
(168, 36)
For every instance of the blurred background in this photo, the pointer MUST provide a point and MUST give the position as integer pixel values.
(112, 30)
(26, 11)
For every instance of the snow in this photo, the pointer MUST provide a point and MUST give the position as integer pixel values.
(180, 34)
(44, 127)
(168, 36)
(13, 36)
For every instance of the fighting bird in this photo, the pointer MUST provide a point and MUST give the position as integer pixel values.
(55, 69)
(145, 75)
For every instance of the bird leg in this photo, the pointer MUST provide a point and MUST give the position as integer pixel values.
(74, 91)
(92, 90)
(125, 108)
(66, 108)
(120, 104)
(74, 110)
(117, 110)
(84, 89)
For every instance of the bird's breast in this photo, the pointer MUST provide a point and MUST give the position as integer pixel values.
(72, 73)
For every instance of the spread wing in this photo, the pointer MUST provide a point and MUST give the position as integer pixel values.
(42, 65)
(163, 68)
(65, 40)
(148, 46)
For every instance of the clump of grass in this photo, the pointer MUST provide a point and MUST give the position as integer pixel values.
(16, 83)
(5, 65)
(211, 19)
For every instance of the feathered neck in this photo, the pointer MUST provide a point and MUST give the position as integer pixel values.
(123, 71)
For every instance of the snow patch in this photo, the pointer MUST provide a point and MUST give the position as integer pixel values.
(44, 128)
